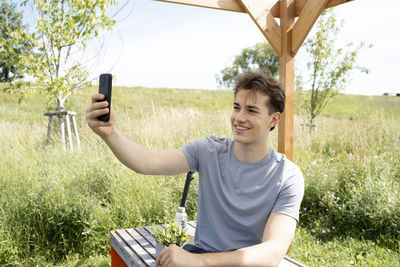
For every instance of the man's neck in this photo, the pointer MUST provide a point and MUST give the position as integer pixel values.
(250, 153)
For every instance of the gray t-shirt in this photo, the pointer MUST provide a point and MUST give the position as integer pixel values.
(235, 197)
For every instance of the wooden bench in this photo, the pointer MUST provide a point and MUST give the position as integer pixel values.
(137, 247)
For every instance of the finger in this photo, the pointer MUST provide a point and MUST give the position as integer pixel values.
(97, 105)
(161, 257)
(96, 113)
(158, 260)
(167, 263)
(97, 123)
(97, 97)
(164, 260)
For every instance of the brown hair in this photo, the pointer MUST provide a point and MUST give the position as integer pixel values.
(262, 81)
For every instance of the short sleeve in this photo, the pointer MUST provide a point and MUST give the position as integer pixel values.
(291, 194)
(192, 153)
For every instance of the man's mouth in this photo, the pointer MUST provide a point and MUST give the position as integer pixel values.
(241, 128)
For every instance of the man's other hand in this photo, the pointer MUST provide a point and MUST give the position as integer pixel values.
(174, 256)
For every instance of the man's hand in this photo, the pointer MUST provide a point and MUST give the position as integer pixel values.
(174, 256)
(104, 129)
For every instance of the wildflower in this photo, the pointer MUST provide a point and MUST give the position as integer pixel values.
(68, 195)
(95, 199)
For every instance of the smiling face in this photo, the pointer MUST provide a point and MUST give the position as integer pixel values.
(250, 119)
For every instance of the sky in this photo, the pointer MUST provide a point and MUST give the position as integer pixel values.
(158, 44)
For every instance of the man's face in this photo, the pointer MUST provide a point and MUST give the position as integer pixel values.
(250, 119)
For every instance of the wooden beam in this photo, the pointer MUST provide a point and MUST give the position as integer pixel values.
(234, 5)
(259, 11)
(306, 20)
(286, 77)
(301, 3)
(229, 5)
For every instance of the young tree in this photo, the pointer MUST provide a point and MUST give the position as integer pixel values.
(62, 29)
(261, 55)
(12, 48)
(328, 68)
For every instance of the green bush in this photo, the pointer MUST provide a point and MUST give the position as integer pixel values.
(51, 222)
(354, 194)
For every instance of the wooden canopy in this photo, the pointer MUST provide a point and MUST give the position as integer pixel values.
(286, 39)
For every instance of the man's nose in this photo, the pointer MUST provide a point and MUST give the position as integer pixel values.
(240, 116)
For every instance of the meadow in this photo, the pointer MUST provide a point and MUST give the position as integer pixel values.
(57, 208)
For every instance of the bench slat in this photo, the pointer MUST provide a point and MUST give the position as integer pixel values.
(190, 232)
(124, 251)
(136, 248)
(289, 262)
(147, 235)
(143, 242)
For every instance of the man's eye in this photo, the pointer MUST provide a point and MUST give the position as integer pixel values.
(235, 107)
(252, 111)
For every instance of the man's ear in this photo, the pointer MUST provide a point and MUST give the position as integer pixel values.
(276, 117)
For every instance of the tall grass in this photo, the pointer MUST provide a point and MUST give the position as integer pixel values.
(58, 207)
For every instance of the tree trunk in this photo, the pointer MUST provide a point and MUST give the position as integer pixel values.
(60, 104)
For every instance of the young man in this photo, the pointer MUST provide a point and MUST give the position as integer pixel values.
(249, 195)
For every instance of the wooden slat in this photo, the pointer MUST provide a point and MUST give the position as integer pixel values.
(306, 20)
(136, 248)
(300, 4)
(150, 249)
(289, 262)
(191, 229)
(192, 224)
(259, 11)
(147, 235)
(124, 250)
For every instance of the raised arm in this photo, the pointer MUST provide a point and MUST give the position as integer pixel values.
(133, 155)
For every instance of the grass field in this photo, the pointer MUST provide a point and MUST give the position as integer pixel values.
(57, 208)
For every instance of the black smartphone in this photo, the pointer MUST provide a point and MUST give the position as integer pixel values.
(105, 86)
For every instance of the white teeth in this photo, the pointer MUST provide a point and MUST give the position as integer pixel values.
(240, 128)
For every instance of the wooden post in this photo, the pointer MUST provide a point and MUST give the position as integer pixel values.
(286, 77)
(62, 130)
(76, 132)
(49, 130)
(68, 126)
